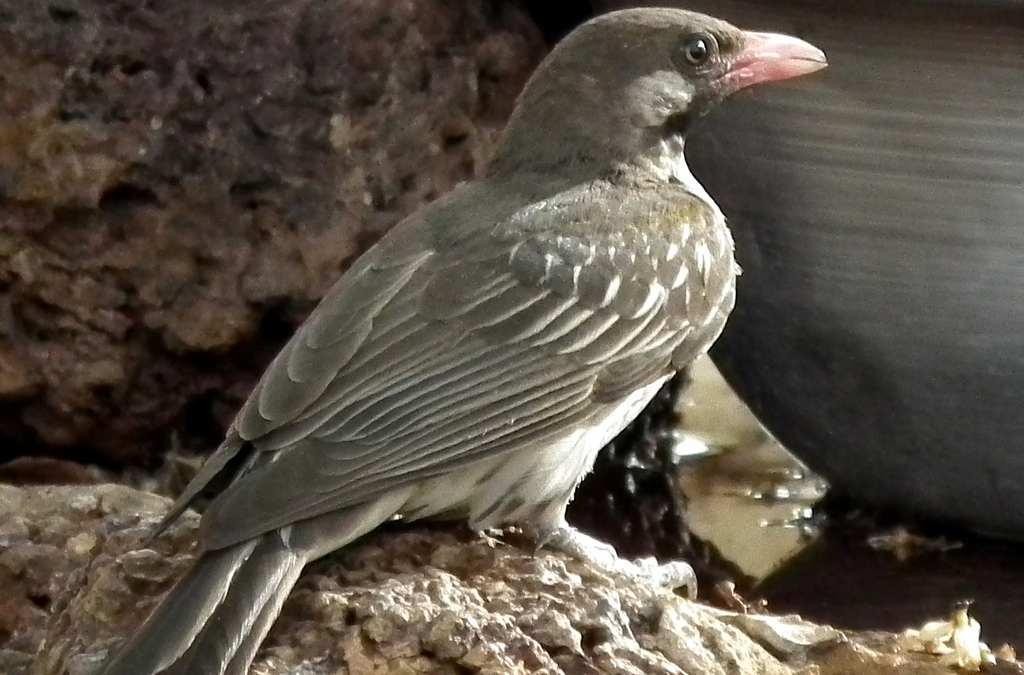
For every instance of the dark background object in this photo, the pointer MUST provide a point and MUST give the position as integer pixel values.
(556, 19)
(878, 211)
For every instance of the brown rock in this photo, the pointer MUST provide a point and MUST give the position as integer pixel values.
(16, 380)
(180, 182)
(48, 537)
(78, 573)
(402, 601)
(46, 470)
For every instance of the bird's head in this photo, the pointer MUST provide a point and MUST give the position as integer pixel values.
(626, 80)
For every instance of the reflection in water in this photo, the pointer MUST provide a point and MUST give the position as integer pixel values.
(753, 506)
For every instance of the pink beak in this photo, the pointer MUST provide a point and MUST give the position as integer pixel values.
(769, 57)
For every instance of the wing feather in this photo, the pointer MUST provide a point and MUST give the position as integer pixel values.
(532, 321)
(588, 330)
(417, 364)
(322, 346)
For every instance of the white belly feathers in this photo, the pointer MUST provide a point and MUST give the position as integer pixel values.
(529, 484)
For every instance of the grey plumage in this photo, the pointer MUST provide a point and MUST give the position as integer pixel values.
(473, 362)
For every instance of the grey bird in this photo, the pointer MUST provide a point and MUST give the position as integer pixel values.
(472, 363)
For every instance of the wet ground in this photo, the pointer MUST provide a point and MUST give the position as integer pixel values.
(762, 512)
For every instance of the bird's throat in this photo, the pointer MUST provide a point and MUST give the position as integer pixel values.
(665, 160)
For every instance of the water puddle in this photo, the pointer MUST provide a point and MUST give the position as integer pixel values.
(754, 506)
(757, 507)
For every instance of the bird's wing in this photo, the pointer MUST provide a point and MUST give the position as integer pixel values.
(415, 365)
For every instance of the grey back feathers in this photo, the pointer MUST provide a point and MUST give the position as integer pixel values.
(451, 355)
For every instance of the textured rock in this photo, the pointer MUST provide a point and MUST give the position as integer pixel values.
(179, 182)
(403, 601)
(78, 575)
(49, 536)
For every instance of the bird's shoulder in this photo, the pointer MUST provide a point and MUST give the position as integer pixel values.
(623, 247)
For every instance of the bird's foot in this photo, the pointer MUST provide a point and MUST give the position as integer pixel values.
(571, 541)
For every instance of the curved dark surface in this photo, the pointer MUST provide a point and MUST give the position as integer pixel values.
(878, 211)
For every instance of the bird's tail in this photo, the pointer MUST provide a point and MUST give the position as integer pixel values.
(214, 619)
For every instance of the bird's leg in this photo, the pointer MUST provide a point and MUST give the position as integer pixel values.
(563, 537)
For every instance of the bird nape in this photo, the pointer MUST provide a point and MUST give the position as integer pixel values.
(472, 363)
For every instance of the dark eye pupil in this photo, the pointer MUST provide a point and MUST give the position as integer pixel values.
(696, 51)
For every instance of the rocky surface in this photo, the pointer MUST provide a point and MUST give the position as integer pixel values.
(77, 577)
(179, 182)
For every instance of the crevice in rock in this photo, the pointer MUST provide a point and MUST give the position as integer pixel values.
(123, 196)
(61, 14)
(555, 19)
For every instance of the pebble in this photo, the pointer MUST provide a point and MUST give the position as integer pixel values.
(82, 544)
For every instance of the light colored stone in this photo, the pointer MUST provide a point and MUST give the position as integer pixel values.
(402, 601)
(81, 544)
(784, 635)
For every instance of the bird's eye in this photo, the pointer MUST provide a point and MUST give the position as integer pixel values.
(697, 49)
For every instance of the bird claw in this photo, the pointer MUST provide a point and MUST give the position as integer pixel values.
(603, 556)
